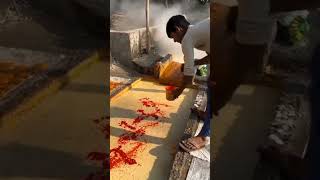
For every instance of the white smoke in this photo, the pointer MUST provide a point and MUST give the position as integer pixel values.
(165, 44)
(159, 16)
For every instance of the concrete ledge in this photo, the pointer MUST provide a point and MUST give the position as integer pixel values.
(74, 72)
(38, 90)
(12, 98)
(128, 85)
(127, 45)
(182, 160)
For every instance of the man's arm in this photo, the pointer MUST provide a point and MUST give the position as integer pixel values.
(188, 66)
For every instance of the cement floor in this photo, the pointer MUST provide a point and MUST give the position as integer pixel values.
(46, 31)
(154, 158)
(239, 130)
(52, 140)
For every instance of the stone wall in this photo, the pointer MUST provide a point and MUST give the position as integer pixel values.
(127, 45)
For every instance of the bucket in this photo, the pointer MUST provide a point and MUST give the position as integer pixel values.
(172, 75)
(170, 93)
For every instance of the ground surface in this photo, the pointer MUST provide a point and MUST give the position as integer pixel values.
(52, 140)
(239, 130)
(29, 27)
(156, 147)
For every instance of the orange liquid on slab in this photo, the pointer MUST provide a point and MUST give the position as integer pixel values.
(170, 88)
(11, 74)
(114, 85)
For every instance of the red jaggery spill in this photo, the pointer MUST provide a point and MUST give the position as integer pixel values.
(138, 119)
(170, 88)
(124, 138)
(125, 124)
(119, 157)
(154, 114)
(148, 103)
(103, 124)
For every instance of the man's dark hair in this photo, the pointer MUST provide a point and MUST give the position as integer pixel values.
(176, 21)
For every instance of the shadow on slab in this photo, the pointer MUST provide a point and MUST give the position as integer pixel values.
(55, 26)
(238, 131)
(169, 146)
(148, 90)
(85, 88)
(18, 160)
(130, 114)
(150, 139)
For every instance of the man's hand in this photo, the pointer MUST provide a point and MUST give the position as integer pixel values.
(187, 82)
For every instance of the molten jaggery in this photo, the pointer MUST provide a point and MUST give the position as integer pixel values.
(114, 85)
(11, 74)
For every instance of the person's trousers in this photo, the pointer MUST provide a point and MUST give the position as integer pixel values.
(313, 153)
(205, 131)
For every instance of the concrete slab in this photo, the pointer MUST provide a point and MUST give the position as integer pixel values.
(200, 166)
(199, 170)
(52, 140)
(158, 144)
(183, 160)
(146, 63)
(240, 129)
(185, 165)
(127, 45)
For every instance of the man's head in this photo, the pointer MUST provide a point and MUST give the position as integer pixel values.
(177, 26)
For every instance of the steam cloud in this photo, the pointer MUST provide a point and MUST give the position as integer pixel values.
(159, 15)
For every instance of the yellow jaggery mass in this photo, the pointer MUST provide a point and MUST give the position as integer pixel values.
(5, 78)
(20, 69)
(6, 66)
(39, 68)
(160, 68)
(172, 74)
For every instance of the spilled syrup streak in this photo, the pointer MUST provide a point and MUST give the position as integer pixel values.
(103, 124)
(170, 88)
(118, 156)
